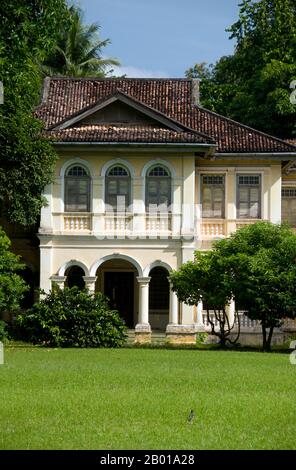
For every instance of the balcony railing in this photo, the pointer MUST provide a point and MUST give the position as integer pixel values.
(118, 223)
(77, 222)
(158, 223)
(149, 224)
(211, 229)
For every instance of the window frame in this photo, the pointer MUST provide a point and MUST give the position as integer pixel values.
(157, 179)
(223, 185)
(67, 179)
(117, 179)
(288, 188)
(249, 186)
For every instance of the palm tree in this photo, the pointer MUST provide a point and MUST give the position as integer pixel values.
(78, 52)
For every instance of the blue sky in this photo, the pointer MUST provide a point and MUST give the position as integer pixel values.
(162, 38)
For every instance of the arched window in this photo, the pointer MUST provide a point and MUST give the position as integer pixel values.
(158, 188)
(77, 190)
(118, 188)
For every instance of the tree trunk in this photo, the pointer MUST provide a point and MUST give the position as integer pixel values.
(264, 336)
(268, 343)
(267, 339)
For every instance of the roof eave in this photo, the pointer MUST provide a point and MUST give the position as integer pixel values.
(208, 148)
(281, 156)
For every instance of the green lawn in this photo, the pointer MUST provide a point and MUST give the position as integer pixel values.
(140, 399)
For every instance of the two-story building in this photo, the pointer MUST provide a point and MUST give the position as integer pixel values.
(145, 177)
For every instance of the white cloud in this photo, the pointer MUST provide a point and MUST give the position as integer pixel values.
(136, 72)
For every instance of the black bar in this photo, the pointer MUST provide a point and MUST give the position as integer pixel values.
(142, 459)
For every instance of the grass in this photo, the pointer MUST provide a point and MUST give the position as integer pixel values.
(141, 398)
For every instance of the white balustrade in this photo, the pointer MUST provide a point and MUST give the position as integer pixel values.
(118, 223)
(77, 222)
(158, 223)
(212, 228)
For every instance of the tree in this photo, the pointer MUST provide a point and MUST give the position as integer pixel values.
(207, 279)
(78, 52)
(12, 286)
(262, 261)
(28, 32)
(253, 85)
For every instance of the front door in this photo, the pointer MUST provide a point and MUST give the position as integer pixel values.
(119, 288)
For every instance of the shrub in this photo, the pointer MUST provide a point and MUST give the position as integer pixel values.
(3, 330)
(72, 318)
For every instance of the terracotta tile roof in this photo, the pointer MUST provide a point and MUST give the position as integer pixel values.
(140, 134)
(63, 97)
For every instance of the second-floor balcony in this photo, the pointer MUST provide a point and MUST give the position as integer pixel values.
(143, 224)
(117, 224)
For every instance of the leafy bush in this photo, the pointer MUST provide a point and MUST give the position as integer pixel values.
(202, 338)
(3, 330)
(72, 318)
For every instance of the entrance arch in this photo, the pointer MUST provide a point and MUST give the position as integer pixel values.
(117, 279)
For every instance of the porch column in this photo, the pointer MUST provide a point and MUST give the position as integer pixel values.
(143, 328)
(230, 312)
(59, 281)
(174, 307)
(90, 283)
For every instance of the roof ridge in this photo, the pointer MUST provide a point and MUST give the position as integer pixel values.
(98, 79)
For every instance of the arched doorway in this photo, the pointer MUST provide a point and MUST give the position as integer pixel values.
(74, 276)
(159, 298)
(116, 278)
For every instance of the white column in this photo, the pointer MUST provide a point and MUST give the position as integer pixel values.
(199, 319)
(230, 312)
(173, 309)
(90, 283)
(143, 300)
(46, 225)
(59, 281)
(187, 316)
(45, 263)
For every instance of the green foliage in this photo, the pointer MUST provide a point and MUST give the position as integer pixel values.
(28, 32)
(253, 85)
(256, 266)
(207, 279)
(78, 52)
(261, 258)
(12, 286)
(201, 338)
(72, 318)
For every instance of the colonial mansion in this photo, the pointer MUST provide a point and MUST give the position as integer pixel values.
(145, 177)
